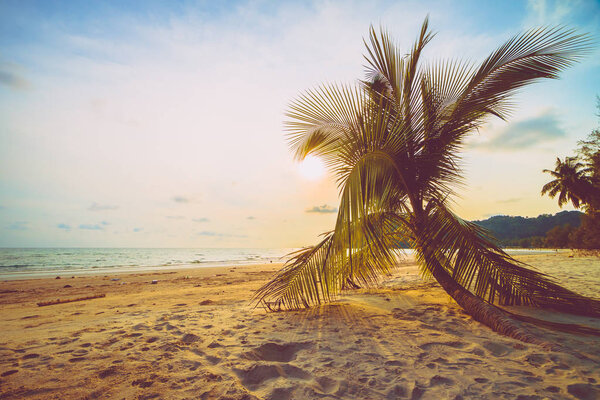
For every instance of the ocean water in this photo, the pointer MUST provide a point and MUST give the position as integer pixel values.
(26, 263)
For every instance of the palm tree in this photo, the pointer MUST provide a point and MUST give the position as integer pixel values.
(572, 182)
(393, 142)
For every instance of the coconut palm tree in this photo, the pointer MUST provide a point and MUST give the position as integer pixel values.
(393, 142)
(572, 183)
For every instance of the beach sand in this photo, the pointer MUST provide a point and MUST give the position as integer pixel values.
(194, 335)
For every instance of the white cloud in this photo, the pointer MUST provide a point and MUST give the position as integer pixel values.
(324, 209)
(102, 207)
(525, 134)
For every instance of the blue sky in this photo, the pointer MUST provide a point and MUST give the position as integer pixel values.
(159, 124)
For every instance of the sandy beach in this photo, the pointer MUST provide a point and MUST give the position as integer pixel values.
(193, 335)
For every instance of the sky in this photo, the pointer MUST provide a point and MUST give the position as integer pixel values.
(160, 123)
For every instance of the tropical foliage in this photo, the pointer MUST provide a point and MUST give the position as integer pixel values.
(572, 182)
(578, 180)
(393, 142)
(514, 231)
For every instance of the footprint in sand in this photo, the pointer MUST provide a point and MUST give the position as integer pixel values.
(276, 352)
(257, 374)
(326, 385)
(584, 391)
(80, 352)
(190, 338)
(438, 380)
(143, 383)
(397, 392)
(433, 345)
(497, 349)
(418, 391)
(113, 370)
(140, 327)
(281, 394)
(394, 363)
(213, 360)
(191, 364)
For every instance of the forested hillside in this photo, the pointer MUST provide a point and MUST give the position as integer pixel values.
(532, 232)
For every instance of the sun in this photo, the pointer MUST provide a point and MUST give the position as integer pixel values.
(312, 168)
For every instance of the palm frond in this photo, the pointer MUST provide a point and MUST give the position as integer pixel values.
(306, 279)
(468, 254)
(320, 117)
(522, 60)
(318, 274)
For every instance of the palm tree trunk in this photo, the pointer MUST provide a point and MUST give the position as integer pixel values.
(486, 313)
(480, 310)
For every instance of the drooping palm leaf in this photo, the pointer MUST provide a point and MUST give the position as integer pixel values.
(318, 274)
(469, 255)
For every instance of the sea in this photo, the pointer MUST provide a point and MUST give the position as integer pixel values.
(29, 263)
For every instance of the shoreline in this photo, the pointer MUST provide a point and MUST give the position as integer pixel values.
(194, 334)
(137, 269)
(124, 270)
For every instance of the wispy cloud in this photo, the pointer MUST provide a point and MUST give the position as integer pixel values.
(94, 227)
(180, 199)
(511, 200)
(64, 227)
(102, 207)
(218, 234)
(175, 217)
(250, 217)
(324, 209)
(200, 219)
(138, 229)
(525, 134)
(19, 226)
(9, 77)
(549, 11)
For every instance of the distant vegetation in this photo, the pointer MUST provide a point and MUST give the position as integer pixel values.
(577, 180)
(542, 231)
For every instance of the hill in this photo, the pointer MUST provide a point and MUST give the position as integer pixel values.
(514, 231)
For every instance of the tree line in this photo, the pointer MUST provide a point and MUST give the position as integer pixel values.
(577, 180)
(545, 230)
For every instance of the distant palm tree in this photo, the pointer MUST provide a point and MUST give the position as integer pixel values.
(572, 182)
(394, 143)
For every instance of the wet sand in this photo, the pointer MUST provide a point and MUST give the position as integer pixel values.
(193, 335)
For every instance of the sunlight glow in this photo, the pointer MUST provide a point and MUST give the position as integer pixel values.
(312, 168)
